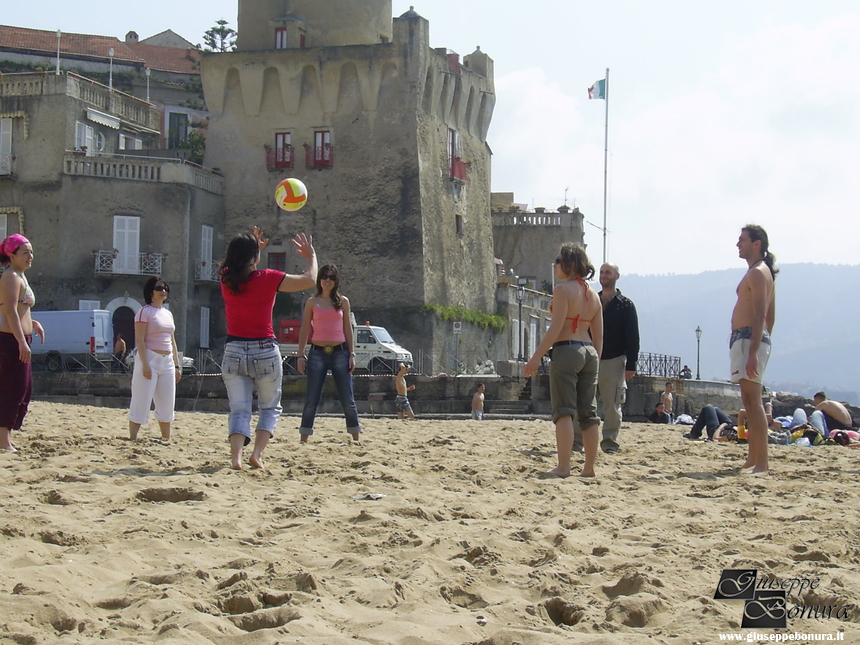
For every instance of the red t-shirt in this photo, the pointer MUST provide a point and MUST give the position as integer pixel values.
(249, 313)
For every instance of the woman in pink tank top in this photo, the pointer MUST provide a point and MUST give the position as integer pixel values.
(326, 321)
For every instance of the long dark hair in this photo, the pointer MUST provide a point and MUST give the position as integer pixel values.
(150, 285)
(757, 233)
(335, 296)
(241, 253)
(574, 261)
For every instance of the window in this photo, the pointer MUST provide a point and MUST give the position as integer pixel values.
(129, 143)
(515, 337)
(278, 261)
(2, 226)
(84, 138)
(456, 167)
(364, 337)
(177, 129)
(459, 222)
(281, 38)
(283, 150)
(533, 325)
(322, 153)
(88, 305)
(302, 41)
(5, 147)
(126, 240)
(206, 245)
(204, 327)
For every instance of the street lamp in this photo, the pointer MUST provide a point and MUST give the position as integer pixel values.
(521, 294)
(59, 33)
(111, 52)
(148, 72)
(698, 350)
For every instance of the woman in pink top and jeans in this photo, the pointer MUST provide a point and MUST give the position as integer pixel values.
(157, 369)
(252, 358)
(331, 349)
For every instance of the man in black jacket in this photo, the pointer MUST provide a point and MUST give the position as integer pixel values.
(620, 352)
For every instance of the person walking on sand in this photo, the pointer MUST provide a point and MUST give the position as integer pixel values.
(478, 403)
(749, 345)
(576, 311)
(402, 401)
(252, 358)
(618, 360)
(16, 335)
(327, 315)
(157, 369)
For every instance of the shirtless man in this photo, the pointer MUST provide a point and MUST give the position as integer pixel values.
(478, 403)
(828, 415)
(402, 402)
(667, 398)
(749, 346)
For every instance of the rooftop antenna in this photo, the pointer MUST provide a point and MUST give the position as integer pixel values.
(565, 196)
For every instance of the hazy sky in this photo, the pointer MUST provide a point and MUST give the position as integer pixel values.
(720, 115)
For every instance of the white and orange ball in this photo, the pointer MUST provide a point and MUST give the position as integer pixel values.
(291, 194)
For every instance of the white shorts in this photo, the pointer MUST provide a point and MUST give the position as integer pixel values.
(740, 351)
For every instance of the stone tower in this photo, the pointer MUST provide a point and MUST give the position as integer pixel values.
(388, 134)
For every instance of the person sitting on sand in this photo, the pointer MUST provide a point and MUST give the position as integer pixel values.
(402, 401)
(576, 312)
(827, 417)
(478, 403)
(659, 415)
(668, 400)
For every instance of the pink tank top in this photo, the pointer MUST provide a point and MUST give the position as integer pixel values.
(328, 325)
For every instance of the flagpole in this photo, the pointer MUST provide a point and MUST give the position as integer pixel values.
(605, 157)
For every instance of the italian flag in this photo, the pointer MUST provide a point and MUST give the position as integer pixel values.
(598, 90)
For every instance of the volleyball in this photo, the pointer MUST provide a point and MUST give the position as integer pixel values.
(291, 194)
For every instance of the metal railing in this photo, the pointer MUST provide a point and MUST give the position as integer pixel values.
(319, 156)
(112, 263)
(206, 271)
(658, 365)
(6, 167)
(277, 158)
(459, 169)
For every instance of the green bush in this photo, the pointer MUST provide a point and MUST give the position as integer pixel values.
(477, 318)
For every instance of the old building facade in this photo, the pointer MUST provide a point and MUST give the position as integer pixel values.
(389, 136)
(101, 221)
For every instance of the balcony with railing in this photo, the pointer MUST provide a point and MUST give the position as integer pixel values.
(7, 165)
(319, 156)
(114, 263)
(459, 170)
(277, 158)
(136, 168)
(127, 108)
(207, 271)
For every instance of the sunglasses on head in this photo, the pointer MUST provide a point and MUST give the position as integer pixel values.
(161, 288)
(557, 261)
(327, 276)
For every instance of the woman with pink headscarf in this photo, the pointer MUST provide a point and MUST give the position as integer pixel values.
(16, 335)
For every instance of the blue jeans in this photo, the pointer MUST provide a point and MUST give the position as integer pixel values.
(249, 366)
(816, 419)
(318, 365)
(709, 419)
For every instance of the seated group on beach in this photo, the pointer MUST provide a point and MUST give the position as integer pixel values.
(830, 422)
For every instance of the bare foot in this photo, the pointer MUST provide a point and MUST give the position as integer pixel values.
(587, 473)
(750, 470)
(304, 438)
(256, 462)
(355, 437)
(11, 449)
(235, 465)
(555, 472)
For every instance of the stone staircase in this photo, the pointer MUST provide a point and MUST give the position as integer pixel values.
(522, 406)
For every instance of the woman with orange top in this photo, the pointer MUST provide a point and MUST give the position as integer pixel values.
(327, 316)
(575, 339)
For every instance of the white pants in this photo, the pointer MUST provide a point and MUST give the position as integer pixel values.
(161, 389)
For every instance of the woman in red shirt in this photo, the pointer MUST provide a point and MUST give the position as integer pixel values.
(252, 359)
(331, 348)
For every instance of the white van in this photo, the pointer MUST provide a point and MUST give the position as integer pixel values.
(73, 338)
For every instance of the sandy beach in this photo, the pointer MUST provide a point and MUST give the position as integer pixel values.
(107, 540)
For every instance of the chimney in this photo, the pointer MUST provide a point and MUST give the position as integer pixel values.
(132, 37)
